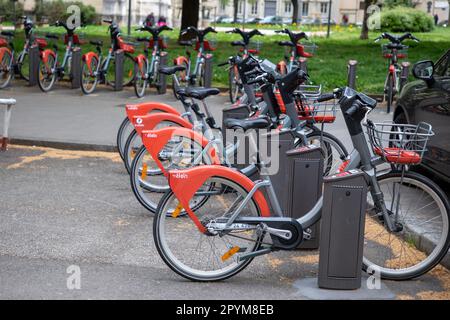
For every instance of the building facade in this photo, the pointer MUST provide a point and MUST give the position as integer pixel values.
(246, 10)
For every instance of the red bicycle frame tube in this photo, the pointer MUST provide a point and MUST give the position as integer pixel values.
(150, 121)
(184, 184)
(142, 109)
(87, 57)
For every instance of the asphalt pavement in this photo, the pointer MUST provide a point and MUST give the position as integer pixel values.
(63, 208)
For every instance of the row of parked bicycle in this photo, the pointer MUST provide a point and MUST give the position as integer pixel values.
(143, 70)
(213, 216)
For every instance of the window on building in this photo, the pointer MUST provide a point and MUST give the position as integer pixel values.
(223, 7)
(254, 9)
(287, 6)
(305, 8)
(324, 7)
(240, 7)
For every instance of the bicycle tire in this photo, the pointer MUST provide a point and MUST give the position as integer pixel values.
(51, 62)
(93, 66)
(421, 268)
(22, 64)
(121, 136)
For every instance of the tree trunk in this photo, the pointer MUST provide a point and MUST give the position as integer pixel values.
(235, 9)
(294, 11)
(365, 29)
(189, 15)
(448, 19)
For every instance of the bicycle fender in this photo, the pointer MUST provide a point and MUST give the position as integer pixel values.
(391, 69)
(140, 60)
(150, 121)
(46, 53)
(142, 109)
(155, 140)
(178, 61)
(87, 57)
(185, 183)
(4, 50)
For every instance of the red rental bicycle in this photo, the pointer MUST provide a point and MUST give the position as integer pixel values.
(393, 51)
(97, 69)
(50, 69)
(200, 75)
(297, 50)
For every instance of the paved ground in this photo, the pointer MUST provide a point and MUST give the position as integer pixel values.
(61, 208)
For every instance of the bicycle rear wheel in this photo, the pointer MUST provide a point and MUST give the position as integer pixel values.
(205, 257)
(422, 210)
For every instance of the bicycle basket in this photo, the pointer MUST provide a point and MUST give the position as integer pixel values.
(255, 46)
(309, 91)
(319, 112)
(387, 53)
(399, 143)
(309, 48)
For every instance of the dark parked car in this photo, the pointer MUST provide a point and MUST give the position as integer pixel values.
(272, 20)
(428, 99)
(253, 20)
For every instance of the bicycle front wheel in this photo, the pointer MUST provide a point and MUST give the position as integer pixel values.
(6, 70)
(89, 77)
(125, 129)
(333, 150)
(421, 210)
(203, 257)
(141, 80)
(47, 74)
(23, 65)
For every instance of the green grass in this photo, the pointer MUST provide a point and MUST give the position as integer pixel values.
(329, 65)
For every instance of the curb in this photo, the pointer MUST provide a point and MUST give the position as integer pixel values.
(80, 146)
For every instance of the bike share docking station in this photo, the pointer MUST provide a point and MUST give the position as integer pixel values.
(118, 70)
(33, 65)
(75, 68)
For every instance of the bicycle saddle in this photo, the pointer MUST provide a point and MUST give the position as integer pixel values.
(171, 70)
(238, 43)
(286, 43)
(260, 122)
(52, 36)
(200, 93)
(8, 33)
(185, 43)
(96, 43)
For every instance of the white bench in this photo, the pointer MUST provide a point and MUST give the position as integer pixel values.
(5, 138)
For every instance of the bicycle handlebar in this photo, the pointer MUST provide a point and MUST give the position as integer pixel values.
(396, 39)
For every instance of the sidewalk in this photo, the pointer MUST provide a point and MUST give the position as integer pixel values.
(66, 118)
